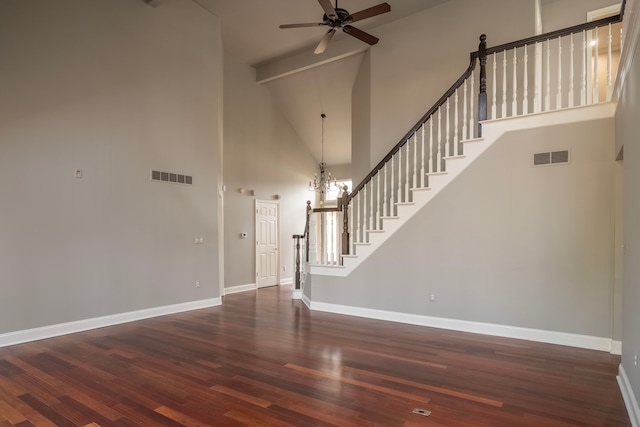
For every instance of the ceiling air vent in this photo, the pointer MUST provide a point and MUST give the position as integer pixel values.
(551, 158)
(171, 177)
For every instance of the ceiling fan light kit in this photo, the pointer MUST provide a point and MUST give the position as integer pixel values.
(335, 17)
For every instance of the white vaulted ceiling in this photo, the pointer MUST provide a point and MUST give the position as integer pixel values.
(303, 84)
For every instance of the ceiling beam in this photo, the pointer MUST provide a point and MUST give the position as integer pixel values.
(338, 50)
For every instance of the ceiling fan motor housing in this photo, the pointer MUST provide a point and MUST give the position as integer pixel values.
(343, 18)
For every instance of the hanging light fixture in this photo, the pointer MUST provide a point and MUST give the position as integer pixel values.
(324, 185)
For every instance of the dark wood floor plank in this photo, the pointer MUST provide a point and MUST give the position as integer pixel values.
(262, 359)
(47, 411)
(144, 415)
(242, 396)
(10, 414)
(180, 417)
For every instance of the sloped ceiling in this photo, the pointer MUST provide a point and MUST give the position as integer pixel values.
(303, 84)
(333, 97)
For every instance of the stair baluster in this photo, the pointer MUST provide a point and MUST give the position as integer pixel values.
(372, 225)
(514, 83)
(392, 203)
(385, 206)
(583, 64)
(504, 84)
(399, 193)
(525, 81)
(571, 73)
(471, 115)
(596, 80)
(456, 149)
(439, 155)
(406, 174)
(494, 89)
(422, 157)
(430, 146)
(559, 94)
(415, 160)
(609, 63)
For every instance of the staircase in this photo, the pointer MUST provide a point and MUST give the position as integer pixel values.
(554, 78)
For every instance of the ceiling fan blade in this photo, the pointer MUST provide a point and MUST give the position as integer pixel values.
(361, 35)
(325, 41)
(372, 11)
(310, 24)
(328, 8)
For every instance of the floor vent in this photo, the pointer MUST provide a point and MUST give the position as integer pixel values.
(551, 158)
(171, 177)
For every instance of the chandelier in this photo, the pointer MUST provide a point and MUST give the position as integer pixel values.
(324, 185)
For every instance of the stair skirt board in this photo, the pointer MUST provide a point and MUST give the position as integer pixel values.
(51, 331)
(549, 337)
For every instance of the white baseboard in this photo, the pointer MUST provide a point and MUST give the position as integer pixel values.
(51, 331)
(252, 286)
(616, 348)
(630, 400)
(240, 288)
(550, 337)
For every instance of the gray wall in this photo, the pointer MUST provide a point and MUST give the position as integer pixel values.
(361, 122)
(422, 55)
(505, 243)
(262, 153)
(627, 132)
(116, 88)
(558, 14)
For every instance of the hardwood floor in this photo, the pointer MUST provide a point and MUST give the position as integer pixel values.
(264, 360)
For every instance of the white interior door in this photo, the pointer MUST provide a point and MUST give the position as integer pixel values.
(266, 243)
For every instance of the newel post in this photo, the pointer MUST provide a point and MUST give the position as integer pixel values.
(297, 261)
(344, 204)
(306, 233)
(482, 96)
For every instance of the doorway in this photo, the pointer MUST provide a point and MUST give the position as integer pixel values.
(267, 259)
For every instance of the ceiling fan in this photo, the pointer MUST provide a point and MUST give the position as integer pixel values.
(335, 18)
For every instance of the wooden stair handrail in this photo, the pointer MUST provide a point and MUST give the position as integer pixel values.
(558, 33)
(472, 64)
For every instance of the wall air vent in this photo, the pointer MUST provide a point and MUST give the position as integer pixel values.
(551, 158)
(171, 177)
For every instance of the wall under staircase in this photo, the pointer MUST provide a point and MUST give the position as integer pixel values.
(501, 246)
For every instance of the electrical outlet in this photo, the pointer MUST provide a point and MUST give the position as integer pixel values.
(432, 297)
(635, 359)
(197, 283)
